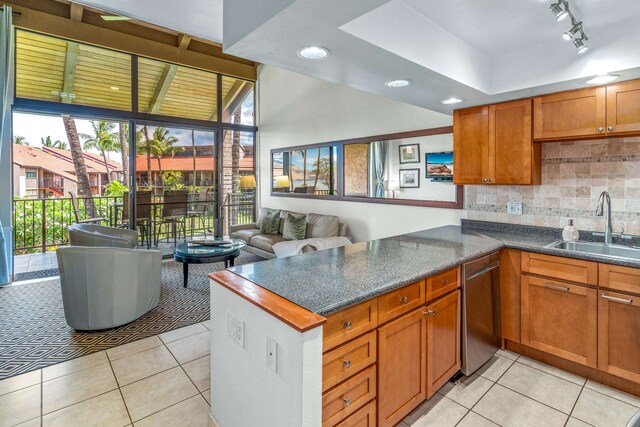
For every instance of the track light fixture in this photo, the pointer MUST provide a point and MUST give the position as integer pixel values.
(560, 10)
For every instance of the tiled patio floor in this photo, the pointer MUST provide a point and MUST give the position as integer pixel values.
(34, 262)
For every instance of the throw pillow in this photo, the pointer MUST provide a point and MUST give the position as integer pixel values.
(295, 228)
(270, 223)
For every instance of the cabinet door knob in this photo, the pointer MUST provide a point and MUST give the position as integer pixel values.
(348, 325)
(600, 129)
(347, 363)
(484, 179)
(404, 300)
(445, 281)
(610, 128)
(429, 313)
(347, 402)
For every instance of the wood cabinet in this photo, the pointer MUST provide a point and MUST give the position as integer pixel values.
(364, 417)
(570, 115)
(402, 364)
(623, 107)
(400, 301)
(471, 145)
(443, 341)
(619, 334)
(619, 278)
(346, 398)
(572, 270)
(510, 272)
(559, 318)
(350, 323)
(443, 283)
(493, 145)
(342, 362)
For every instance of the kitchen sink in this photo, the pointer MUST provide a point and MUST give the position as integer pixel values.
(611, 251)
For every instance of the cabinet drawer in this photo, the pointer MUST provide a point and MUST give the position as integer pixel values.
(620, 278)
(400, 301)
(573, 270)
(346, 360)
(442, 283)
(364, 417)
(346, 398)
(350, 323)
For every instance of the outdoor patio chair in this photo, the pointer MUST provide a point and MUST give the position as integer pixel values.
(143, 214)
(198, 210)
(76, 212)
(174, 213)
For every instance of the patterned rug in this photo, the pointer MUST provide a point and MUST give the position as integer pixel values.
(34, 334)
(38, 274)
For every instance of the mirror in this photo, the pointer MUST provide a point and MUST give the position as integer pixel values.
(305, 171)
(407, 168)
(416, 168)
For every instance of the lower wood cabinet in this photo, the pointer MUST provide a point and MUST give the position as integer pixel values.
(443, 341)
(559, 318)
(346, 398)
(364, 417)
(619, 334)
(402, 364)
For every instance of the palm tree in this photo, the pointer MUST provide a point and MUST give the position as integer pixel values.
(20, 140)
(161, 144)
(143, 149)
(103, 139)
(124, 149)
(84, 189)
(47, 142)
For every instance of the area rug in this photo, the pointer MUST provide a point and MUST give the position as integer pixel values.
(38, 274)
(34, 334)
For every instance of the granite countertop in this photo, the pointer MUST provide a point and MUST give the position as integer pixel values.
(328, 281)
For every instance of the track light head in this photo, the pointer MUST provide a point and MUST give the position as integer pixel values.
(580, 45)
(575, 30)
(560, 10)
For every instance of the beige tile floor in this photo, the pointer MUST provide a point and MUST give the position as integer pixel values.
(512, 390)
(164, 381)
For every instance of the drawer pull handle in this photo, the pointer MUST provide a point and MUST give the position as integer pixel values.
(429, 313)
(347, 402)
(348, 325)
(445, 282)
(556, 287)
(610, 128)
(347, 364)
(600, 129)
(616, 299)
(404, 300)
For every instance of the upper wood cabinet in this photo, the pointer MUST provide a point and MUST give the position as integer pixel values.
(574, 114)
(493, 145)
(623, 108)
(471, 145)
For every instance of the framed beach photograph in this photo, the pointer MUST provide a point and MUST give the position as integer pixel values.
(409, 178)
(409, 153)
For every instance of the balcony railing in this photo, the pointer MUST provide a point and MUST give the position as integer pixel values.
(40, 225)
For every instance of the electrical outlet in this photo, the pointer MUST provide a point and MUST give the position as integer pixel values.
(514, 208)
(235, 329)
(272, 354)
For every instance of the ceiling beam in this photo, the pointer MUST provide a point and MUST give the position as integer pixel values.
(236, 96)
(76, 11)
(168, 73)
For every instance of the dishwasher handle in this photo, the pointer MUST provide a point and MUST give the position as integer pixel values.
(484, 270)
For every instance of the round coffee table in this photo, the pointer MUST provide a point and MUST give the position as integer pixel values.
(192, 253)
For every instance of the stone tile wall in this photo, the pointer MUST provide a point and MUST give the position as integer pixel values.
(573, 176)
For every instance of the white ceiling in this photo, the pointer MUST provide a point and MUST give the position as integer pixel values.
(200, 18)
(479, 50)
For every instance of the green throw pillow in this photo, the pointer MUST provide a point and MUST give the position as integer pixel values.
(271, 223)
(295, 228)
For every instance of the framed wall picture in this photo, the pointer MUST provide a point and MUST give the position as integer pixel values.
(409, 153)
(409, 178)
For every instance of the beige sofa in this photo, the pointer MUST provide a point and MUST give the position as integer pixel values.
(318, 226)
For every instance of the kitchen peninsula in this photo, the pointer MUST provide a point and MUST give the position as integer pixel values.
(321, 332)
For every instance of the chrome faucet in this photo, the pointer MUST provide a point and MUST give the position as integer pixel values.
(604, 196)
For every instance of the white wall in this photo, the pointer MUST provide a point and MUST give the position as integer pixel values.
(296, 110)
(244, 391)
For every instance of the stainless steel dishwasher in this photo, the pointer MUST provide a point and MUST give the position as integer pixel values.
(480, 312)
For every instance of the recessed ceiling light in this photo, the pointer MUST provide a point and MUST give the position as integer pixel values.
(115, 18)
(603, 79)
(451, 101)
(397, 83)
(313, 52)
(115, 88)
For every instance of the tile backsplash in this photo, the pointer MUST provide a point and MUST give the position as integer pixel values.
(573, 176)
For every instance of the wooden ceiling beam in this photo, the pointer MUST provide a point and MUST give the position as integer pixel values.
(236, 96)
(76, 11)
(168, 73)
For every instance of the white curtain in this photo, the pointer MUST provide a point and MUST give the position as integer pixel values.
(377, 166)
(6, 100)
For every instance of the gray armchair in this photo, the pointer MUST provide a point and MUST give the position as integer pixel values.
(101, 236)
(107, 287)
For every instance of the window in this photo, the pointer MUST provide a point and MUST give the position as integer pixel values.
(31, 174)
(237, 101)
(56, 70)
(174, 90)
(31, 192)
